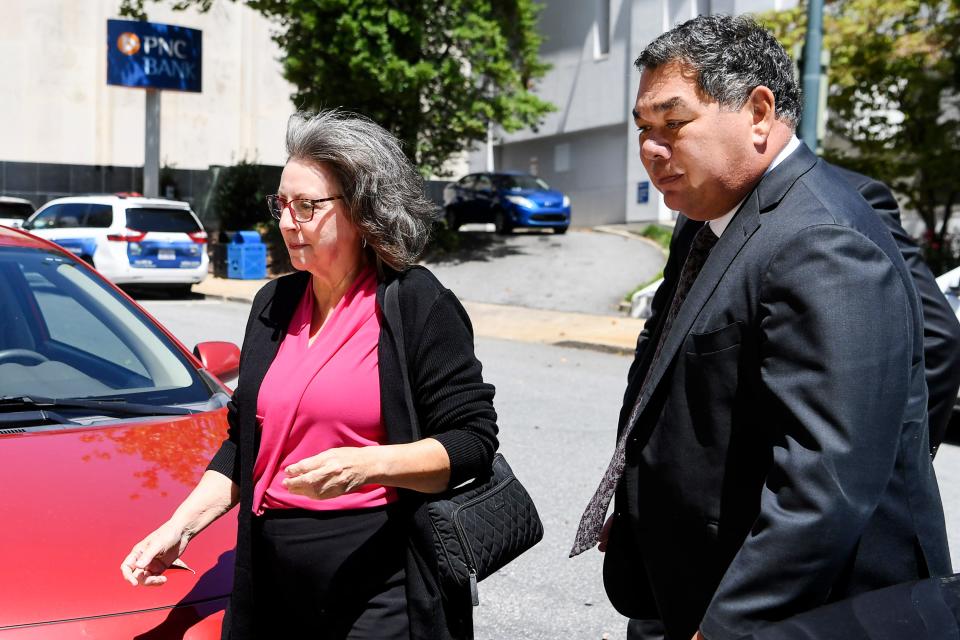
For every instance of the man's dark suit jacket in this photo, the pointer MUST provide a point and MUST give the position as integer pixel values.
(778, 462)
(941, 330)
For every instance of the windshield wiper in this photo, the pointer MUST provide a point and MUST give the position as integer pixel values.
(107, 405)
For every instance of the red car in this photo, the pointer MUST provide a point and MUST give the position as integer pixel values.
(106, 423)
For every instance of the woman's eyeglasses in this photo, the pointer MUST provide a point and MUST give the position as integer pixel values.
(302, 209)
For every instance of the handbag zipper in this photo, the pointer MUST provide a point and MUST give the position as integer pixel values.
(468, 557)
(471, 563)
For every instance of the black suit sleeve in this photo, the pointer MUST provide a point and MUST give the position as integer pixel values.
(835, 371)
(941, 330)
(454, 403)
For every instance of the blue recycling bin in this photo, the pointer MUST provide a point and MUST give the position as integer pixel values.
(246, 256)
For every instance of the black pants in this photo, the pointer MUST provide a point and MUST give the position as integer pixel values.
(329, 575)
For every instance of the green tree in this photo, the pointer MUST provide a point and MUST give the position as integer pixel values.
(240, 196)
(894, 100)
(433, 72)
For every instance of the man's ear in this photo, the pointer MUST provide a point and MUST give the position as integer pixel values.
(763, 110)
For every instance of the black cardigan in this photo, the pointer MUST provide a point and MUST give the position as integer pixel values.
(454, 406)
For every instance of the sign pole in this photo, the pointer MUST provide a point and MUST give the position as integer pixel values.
(811, 75)
(151, 157)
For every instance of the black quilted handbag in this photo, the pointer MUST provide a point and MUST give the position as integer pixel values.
(479, 526)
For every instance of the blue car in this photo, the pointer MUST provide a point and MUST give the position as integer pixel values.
(508, 200)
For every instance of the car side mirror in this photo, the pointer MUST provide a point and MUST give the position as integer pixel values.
(222, 359)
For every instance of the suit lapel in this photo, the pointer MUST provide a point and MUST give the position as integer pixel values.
(741, 228)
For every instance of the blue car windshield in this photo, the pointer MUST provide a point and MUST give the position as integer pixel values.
(64, 334)
(521, 183)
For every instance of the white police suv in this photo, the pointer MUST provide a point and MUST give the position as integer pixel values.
(130, 240)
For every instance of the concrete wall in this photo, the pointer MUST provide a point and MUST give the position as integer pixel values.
(589, 90)
(594, 95)
(63, 111)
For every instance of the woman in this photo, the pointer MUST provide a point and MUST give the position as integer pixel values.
(320, 457)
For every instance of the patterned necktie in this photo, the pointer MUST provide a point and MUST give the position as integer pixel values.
(588, 533)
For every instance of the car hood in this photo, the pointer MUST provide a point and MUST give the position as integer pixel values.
(550, 198)
(75, 502)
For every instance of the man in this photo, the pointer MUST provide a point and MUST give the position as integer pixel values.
(941, 352)
(772, 454)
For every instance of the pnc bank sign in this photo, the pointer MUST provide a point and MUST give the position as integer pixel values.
(154, 56)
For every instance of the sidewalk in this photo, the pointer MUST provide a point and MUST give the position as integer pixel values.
(614, 334)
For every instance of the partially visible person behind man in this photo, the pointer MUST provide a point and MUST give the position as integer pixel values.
(941, 330)
(773, 452)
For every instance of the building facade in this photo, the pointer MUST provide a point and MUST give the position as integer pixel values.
(63, 130)
(588, 147)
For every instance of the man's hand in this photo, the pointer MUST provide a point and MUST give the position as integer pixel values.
(331, 473)
(698, 636)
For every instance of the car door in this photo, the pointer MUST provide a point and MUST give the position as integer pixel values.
(483, 199)
(460, 204)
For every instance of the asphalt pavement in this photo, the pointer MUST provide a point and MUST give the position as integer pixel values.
(557, 406)
(560, 290)
(583, 271)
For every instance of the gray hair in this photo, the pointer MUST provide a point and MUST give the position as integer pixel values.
(731, 57)
(382, 188)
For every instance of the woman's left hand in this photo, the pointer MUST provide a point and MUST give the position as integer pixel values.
(331, 473)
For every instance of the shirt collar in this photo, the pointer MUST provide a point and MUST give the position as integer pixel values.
(719, 225)
(784, 153)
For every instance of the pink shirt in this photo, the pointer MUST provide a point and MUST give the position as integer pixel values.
(320, 396)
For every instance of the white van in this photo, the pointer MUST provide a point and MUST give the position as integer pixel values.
(130, 240)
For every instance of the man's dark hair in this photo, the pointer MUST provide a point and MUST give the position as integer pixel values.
(731, 57)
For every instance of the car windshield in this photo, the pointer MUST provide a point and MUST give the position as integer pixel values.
(66, 335)
(161, 219)
(15, 210)
(521, 183)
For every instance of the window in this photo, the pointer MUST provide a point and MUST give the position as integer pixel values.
(483, 183)
(602, 30)
(74, 214)
(47, 219)
(88, 341)
(157, 219)
(520, 182)
(15, 210)
(99, 216)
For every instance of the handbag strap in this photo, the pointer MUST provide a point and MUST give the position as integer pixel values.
(394, 320)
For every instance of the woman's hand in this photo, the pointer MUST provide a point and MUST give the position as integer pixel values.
(333, 472)
(154, 554)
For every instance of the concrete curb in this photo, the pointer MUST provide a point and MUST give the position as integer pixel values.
(606, 334)
(623, 233)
